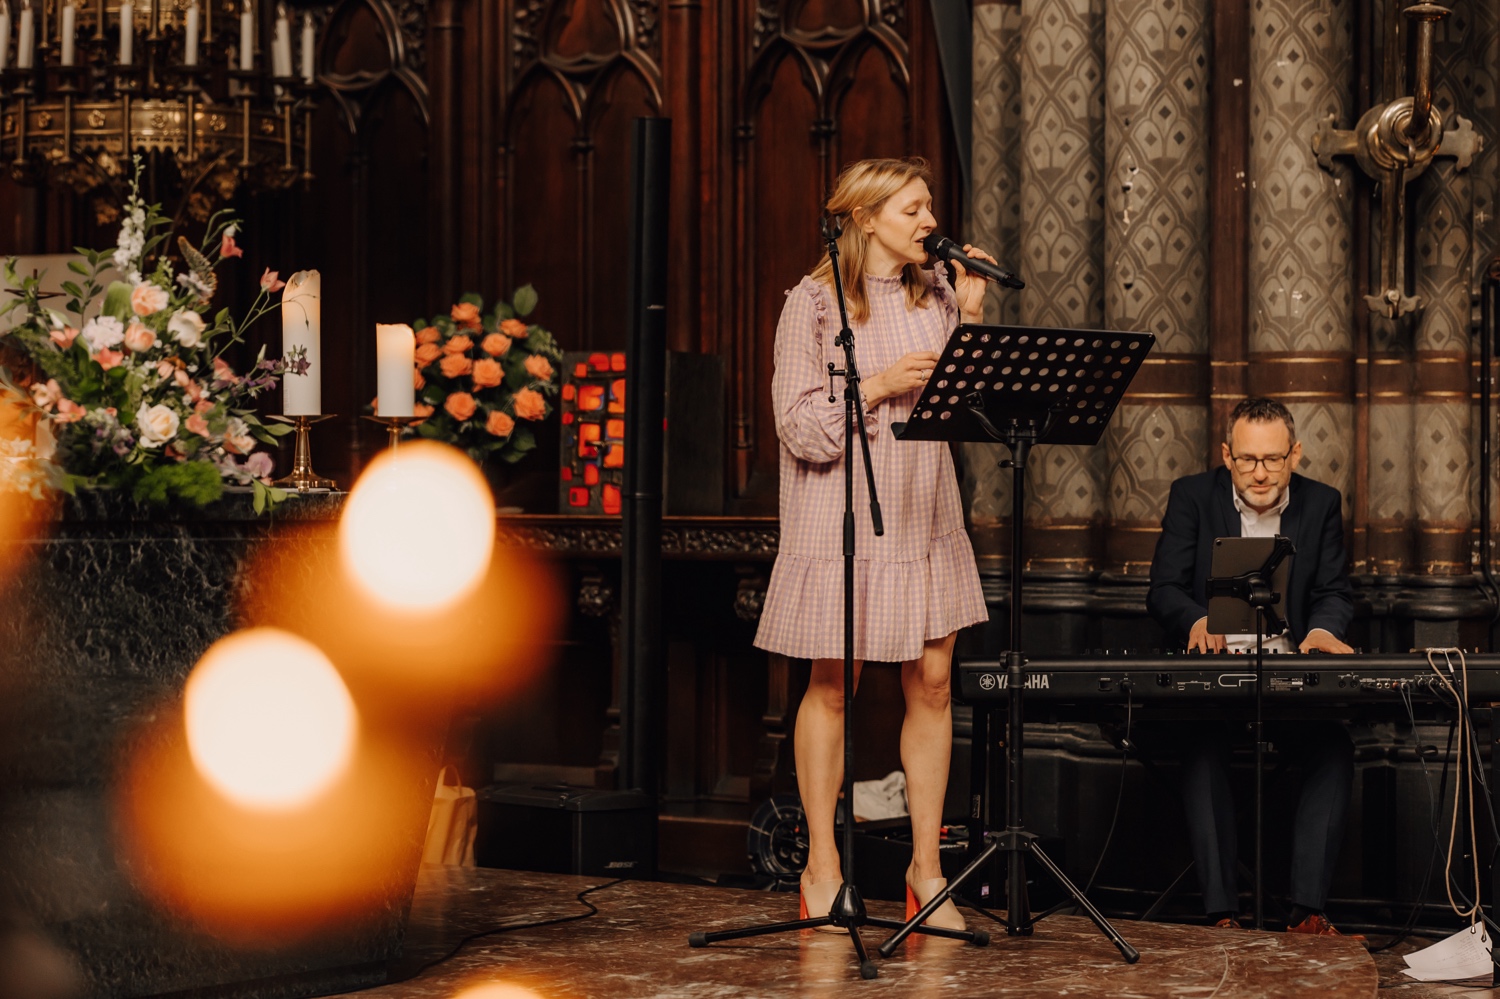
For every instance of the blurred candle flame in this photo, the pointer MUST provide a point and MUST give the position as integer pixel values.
(418, 529)
(269, 722)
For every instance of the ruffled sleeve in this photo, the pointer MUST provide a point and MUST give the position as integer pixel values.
(947, 299)
(811, 427)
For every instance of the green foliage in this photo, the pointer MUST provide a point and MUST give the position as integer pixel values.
(194, 482)
(524, 300)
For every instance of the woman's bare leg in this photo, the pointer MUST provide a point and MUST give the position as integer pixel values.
(819, 742)
(926, 745)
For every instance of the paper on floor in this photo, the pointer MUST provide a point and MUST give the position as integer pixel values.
(1466, 954)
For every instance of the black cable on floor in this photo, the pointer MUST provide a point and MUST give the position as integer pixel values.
(496, 931)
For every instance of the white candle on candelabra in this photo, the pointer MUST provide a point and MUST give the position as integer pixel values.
(190, 38)
(309, 40)
(4, 36)
(69, 33)
(395, 362)
(301, 326)
(281, 44)
(127, 33)
(26, 43)
(247, 38)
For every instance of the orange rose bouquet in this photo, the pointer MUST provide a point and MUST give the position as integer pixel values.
(483, 378)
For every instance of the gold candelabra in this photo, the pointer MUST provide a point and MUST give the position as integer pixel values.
(302, 478)
(86, 84)
(393, 427)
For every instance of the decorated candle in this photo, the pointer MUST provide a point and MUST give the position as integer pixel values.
(395, 359)
(301, 326)
(190, 38)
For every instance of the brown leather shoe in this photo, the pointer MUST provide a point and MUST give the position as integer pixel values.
(1318, 925)
(1228, 923)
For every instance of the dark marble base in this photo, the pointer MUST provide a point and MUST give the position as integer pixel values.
(637, 946)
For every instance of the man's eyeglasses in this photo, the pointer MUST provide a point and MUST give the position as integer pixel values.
(1246, 465)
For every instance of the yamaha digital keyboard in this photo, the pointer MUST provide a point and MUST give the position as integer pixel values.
(1230, 676)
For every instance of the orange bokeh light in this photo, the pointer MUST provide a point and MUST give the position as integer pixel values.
(417, 530)
(269, 722)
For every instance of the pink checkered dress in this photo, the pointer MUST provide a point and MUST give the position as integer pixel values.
(918, 581)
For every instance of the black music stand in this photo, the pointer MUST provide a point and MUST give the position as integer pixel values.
(1021, 386)
(848, 909)
(1247, 586)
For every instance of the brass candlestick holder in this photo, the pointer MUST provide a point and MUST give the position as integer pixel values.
(393, 426)
(302, 478)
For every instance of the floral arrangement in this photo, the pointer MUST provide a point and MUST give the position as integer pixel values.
(482, 377)
(130, 378)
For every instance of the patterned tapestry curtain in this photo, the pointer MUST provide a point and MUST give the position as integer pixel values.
(1093, 138)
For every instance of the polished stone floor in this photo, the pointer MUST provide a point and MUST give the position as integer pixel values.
(636, 945)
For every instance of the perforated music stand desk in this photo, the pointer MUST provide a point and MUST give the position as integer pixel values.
(1021, 386)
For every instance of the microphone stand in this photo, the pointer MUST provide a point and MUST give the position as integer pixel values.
(848, 909)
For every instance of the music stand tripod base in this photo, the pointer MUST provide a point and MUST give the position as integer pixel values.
(1022, 386)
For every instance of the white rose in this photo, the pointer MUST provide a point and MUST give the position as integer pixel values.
(186, 327)
(158, 424)
(103, 332)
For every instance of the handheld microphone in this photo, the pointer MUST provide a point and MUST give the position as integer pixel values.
(945, 249)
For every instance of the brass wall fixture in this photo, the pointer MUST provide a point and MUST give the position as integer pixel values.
(209, 84)
(1394, 143)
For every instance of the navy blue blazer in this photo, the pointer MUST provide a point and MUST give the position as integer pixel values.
(1201, 508)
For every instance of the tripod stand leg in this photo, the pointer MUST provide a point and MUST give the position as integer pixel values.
(914, 924)
(1130, 954)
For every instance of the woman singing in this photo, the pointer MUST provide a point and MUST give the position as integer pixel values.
(915, 586)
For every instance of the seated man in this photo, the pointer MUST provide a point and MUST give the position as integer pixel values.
(1256, 494)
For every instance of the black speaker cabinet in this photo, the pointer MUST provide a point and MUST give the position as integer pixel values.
(593, 434)
(564, 830)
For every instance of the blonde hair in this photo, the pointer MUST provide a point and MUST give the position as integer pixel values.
(860, 192)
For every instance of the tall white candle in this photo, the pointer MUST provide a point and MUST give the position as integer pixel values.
(26, 45)
(281, 45)
(309, 44)
(247, 38)
(190, 38)
(4, 36)
(127, 33)
(301, 326)
(69, 33)
(395, 360)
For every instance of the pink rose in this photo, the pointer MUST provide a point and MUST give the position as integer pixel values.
(460, 406)
(138, 337)
(224, 373)
(487, 373)
(495, 344)
(539, 368)
(46, 395)
(164, 369)
(196, 424)
(181, 377)
(203, 405)
(269, 283)
(455, 365)
(109, 358)
(64, 337)
(227, 248)
(148, 298)
(259, 464)
(529, 405)
(68, 411)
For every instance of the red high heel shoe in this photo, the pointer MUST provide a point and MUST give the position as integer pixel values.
(919, 894)
(816, 900)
